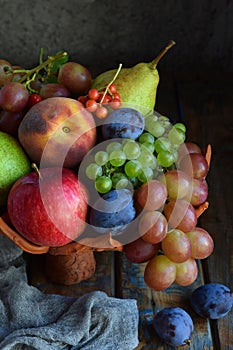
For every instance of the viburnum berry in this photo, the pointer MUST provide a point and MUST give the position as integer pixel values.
(112, 88)
(91, 105)
(107, 98)
(33, 99)
(116, 96)
(93, 94)
(82, 99)
(115, 104)
(101, 112)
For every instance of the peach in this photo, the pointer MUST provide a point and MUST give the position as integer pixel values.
(58, 131)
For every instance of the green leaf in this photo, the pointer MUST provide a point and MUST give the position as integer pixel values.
(55, 65)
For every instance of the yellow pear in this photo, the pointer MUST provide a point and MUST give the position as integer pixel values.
(137, 85)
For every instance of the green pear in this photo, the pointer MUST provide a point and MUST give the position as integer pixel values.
(137, 85)
(14, 164)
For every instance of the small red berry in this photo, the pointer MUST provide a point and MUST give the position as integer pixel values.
(112, 88)
(91, 105)
(34, 99)
(82, 99)
(107, 98)
(115, 104)
(93, 94)
(101, 112)
(116, 96)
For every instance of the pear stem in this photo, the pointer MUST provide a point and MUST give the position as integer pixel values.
(162, 53)
(35, 167)
(112, 81)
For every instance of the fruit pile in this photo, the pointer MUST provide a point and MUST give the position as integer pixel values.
(90, 158)
(128, 172)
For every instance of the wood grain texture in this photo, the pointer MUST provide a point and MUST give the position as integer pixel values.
(208, 110)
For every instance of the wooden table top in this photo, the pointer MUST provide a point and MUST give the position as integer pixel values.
(205, 105)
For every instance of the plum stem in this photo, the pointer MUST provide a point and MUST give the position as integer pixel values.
(187, 341)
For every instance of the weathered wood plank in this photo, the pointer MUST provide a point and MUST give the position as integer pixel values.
(208, 109)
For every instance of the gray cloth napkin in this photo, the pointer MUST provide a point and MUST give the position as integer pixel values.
(30, 319)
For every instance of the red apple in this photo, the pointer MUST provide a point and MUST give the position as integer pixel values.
(58, 131)
(50, 207)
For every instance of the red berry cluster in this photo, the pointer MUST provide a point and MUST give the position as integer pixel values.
(97, 101)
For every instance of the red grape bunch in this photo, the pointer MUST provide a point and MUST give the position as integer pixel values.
(170, 240)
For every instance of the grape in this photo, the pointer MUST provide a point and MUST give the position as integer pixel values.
(9, 122)
(75, 77)
(178, 183)
(199, 192)
(54, 90)
(176, 136)
(131, 150)
(195, 165)
(132, 168)
(146, 158)
(148, 145)
(188, 147)
(145, 174)
(165, 122)
(152, 226)
(174, 326)
(180, 126)
(201, 242)
(103, 184)
(101, 158)
(165, 159)
(93, 170)
(160, 273)
(13, 97)
(18, 75)
(152, 195)
(123, 123)
(120, 180)
(113, 211)
(156, 129)
(117, 158)
(113, 146)
(162, 144)
(186, 272)
(176, 246)
(6, 72)
(212, 300)
(140, 251)
(180, 214)
(146, 137)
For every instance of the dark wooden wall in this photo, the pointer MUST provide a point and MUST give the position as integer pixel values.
(102, 33)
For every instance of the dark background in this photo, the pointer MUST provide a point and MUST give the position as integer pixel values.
(100, 34)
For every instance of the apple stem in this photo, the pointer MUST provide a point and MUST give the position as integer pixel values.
(35, 167)
(162, 53)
